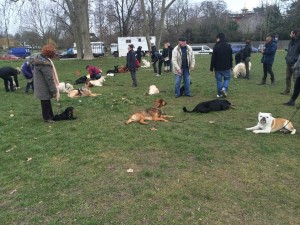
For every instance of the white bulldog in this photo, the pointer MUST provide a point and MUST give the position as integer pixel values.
(267, 124)
(240, 70)
(65, 87)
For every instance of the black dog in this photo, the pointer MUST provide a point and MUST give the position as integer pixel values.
(182, 89)
(213, 105)
(66, 115)
(115, 70)
(81, 80)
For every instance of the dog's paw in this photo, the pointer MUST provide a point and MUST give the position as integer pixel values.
(256, 131)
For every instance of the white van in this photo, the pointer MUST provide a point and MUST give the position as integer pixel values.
(201, 49)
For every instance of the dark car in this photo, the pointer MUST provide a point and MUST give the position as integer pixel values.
(9, 57)
(237, 47)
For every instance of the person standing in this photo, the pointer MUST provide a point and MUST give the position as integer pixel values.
(183, 61)
(246, 57)
(165, 55)
(291, 57)
(131, 64)
(170, 55)
(139, 54)
(27, 70)
(268, 58)
(296, 91)
(46, 81)
(221, 63)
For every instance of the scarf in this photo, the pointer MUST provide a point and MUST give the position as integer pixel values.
(55, 77)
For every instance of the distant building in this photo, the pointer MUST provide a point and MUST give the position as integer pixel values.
(5, 44)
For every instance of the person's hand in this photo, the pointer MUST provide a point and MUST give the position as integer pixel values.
(179, 72)
(191, 68)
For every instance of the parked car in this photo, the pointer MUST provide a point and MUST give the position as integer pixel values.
(237, 47)
(201, 49)
(9, 57)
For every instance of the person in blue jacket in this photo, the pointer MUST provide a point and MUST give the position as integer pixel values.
(268, 59)
(27, 70)
(131, 64)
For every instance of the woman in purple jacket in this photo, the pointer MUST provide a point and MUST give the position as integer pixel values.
(27, 70)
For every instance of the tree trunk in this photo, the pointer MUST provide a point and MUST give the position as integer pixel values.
(146, 24)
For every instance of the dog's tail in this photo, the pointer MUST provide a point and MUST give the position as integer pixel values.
(185, 110)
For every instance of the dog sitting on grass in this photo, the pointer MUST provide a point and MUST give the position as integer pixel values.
(68, 114)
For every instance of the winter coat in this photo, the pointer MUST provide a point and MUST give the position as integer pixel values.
(44, 84)
(177, 58)
(170, 52)
(269, 52)
(297, 68)
(155, 56)
(139, 54)
(165, 52)
(131, 60)
(221, 58)
(293, 51)
(247, 51)
(27, 70)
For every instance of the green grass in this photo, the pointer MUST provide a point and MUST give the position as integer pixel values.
(188, 171)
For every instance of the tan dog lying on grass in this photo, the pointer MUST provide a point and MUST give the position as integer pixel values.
(153, 113)
(84, 91)
(267, 124)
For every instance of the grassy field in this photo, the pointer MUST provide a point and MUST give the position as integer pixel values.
(196, 169)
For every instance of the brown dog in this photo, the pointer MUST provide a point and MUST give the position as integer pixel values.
(153, 113)
(84, 91)
(122, 69)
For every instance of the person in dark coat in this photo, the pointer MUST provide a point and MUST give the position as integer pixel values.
(139, 54)
(6, 73)
(46, 81)
(170, 56)
(291, 58)
(156, 57)
(246, 57)
(27, 70)
(221, 64)
(268, 58)
(131, 64)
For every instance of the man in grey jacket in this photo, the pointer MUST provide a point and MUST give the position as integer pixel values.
(183, 61)
(291, 58)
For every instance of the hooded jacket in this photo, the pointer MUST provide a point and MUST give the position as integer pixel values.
(293, 51)
(44, 84)
(177, 58)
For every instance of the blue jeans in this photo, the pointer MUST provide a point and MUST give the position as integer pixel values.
(186, 81)
(220, 75)
(96, 77)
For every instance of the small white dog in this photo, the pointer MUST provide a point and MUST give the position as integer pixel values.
(98, 83)
(240, 70)
(65, 87)
(267, 124)
(146, 64)
(153, 90)
(110, 74)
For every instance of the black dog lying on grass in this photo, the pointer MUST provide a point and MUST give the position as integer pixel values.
(115, 70)
(66, 115)
(213, 105)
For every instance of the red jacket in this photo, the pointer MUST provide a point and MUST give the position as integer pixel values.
(94, 70)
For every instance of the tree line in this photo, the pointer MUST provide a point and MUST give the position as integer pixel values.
(64, 22)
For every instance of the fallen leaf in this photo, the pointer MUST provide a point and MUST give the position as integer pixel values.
(29, 159)
(12, 148)
(153, 129)
(211, 121)
(11, 115)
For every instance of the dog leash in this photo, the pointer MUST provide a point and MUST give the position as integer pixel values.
(290, 118)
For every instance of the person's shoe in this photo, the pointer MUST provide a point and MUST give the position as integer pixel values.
(263, 82)
(273, 82)
(49, 121)
(177, 96)
(157, 75)
(224, 94)
(219, 96)
(285, 93)
(289, 103)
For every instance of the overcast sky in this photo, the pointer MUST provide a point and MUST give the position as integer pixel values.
(237, 5)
